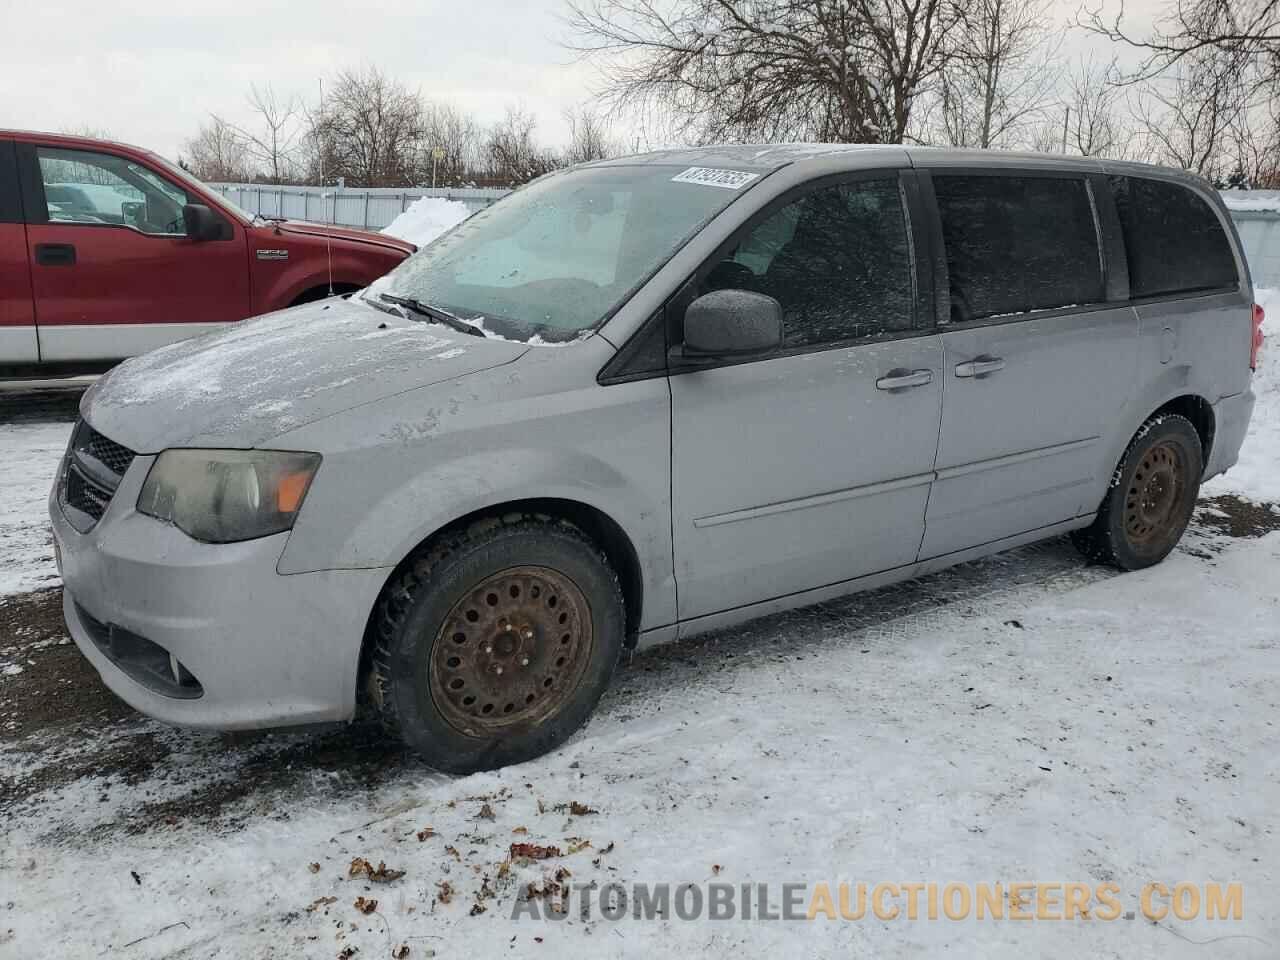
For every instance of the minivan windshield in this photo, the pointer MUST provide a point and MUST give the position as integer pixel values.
(556, 258)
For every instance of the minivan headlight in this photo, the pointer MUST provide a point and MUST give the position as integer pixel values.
(221, 496)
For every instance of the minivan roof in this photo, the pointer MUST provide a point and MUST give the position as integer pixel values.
(767, 157)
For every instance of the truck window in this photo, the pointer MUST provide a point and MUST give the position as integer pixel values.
(1174, 240)
(81, 186)
(1016, 244)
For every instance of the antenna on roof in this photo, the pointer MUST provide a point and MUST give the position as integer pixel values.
(321, 145)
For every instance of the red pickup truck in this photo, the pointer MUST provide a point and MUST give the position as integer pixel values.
(108, 250)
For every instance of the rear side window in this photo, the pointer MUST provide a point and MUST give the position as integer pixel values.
(837, 259)
(1174, 241)
(1016, 244)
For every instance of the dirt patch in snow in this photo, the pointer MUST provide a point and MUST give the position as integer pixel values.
(1236, 517)
(57, 689)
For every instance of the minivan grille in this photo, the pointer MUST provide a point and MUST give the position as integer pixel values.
(85, 495)
(107, 452)
(92, 469)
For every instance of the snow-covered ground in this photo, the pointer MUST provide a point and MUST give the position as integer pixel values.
(1257, 474)
(31, 453)
(426, 219)
(1023, 719)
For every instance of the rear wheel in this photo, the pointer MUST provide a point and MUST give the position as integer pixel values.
(1151, 499)
(497, 642)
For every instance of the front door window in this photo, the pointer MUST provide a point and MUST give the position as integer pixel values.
(81, 186)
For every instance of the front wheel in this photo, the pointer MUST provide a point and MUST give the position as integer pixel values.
(496, 643)
(1151, 498)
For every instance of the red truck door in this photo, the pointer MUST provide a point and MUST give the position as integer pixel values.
(17, 312)
(112, 269)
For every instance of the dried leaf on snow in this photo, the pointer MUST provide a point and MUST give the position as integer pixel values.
(360, 867)
(533, 851)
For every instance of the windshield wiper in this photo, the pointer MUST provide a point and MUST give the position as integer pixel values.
(433, 313)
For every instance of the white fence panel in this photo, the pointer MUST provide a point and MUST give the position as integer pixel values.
(370, 209)
(1256, 214)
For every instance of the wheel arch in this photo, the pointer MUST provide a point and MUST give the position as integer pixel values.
(1200, 412)
(1173, 398)
(318, 291)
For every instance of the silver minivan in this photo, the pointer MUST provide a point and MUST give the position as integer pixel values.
(638, 400)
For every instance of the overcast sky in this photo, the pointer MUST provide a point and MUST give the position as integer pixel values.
(148, 72)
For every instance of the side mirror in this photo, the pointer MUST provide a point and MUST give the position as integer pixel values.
(201, 222)
(727, 324)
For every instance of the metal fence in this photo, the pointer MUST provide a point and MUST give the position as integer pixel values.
(373, 208)
(1259, 233)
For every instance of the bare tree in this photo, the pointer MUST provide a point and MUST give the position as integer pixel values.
(513, 152)
(589, 137)
(842, 70)
(273, 148)
(456, 136)
(1253, 145)
(369, 130)
(88, 130)
(1002, 74)
(217, 153)
(1188, 114)
(1246, 30)
(1093, 123)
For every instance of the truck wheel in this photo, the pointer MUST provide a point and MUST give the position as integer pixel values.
(1152, 496)
(496, 643)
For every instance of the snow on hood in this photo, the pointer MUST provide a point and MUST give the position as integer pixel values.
(241, 386)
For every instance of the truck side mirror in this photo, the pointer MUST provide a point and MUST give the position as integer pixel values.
(202, 223)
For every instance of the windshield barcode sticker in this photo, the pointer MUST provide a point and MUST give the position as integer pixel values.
(713, 177)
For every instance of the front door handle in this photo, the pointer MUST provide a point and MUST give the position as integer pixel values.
(55, 254)
(982, 366)
(903, 379)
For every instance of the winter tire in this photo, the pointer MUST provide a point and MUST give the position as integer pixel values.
(496, 643)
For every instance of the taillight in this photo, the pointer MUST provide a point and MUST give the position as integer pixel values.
(1258, 317)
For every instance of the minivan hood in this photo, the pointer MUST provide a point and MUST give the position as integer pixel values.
(257, 379)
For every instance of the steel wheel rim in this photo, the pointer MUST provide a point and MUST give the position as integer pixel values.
(511, 652)
(1154, 500)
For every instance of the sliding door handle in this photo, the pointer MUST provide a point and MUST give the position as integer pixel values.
(903, 379)
(980, 367)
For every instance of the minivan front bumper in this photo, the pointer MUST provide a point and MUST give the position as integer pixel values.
(251, 648)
